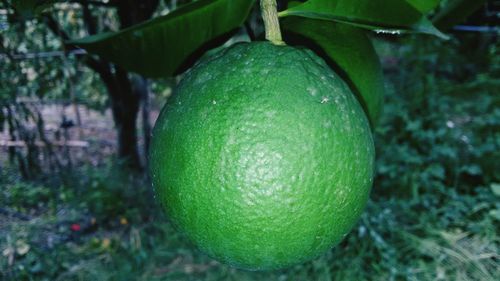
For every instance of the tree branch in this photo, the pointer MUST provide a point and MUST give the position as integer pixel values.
(99, 66)
(56, 29)
(109, 4)
(87, 19)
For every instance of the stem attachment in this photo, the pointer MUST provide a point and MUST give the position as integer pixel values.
(271, 23)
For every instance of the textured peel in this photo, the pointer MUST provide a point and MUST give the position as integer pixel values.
(262, 156)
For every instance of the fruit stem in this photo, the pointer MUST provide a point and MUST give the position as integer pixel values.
(269, 11)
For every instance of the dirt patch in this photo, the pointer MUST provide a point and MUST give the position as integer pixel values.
(92, 142)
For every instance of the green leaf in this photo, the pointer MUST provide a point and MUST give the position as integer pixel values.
(349, 51)
(455, 12)
(495, 214)
(495, 188)
(424, 6)
(157, 48)
(387, 16)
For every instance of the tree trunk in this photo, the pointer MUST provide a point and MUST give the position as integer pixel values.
(124, 99)
(125, 116)
(125, 107)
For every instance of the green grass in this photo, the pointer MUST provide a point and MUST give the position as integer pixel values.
(444, 236)
(433, 214)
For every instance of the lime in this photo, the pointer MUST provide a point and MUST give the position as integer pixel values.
(262, 157)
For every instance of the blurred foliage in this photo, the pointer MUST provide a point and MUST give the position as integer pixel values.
(35, 66)
(32, 69)
(23, 196)
(434, 213)
(113, 193)
(442, 123)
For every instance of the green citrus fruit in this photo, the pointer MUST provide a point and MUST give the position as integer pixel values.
(262, 156)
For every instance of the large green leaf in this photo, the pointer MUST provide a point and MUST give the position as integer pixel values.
(157, 48)
(424, 6)
(349, 51)
(390, 16)
(455, 12)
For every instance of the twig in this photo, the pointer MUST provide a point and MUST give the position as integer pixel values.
(271, 21)
(70, 143)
